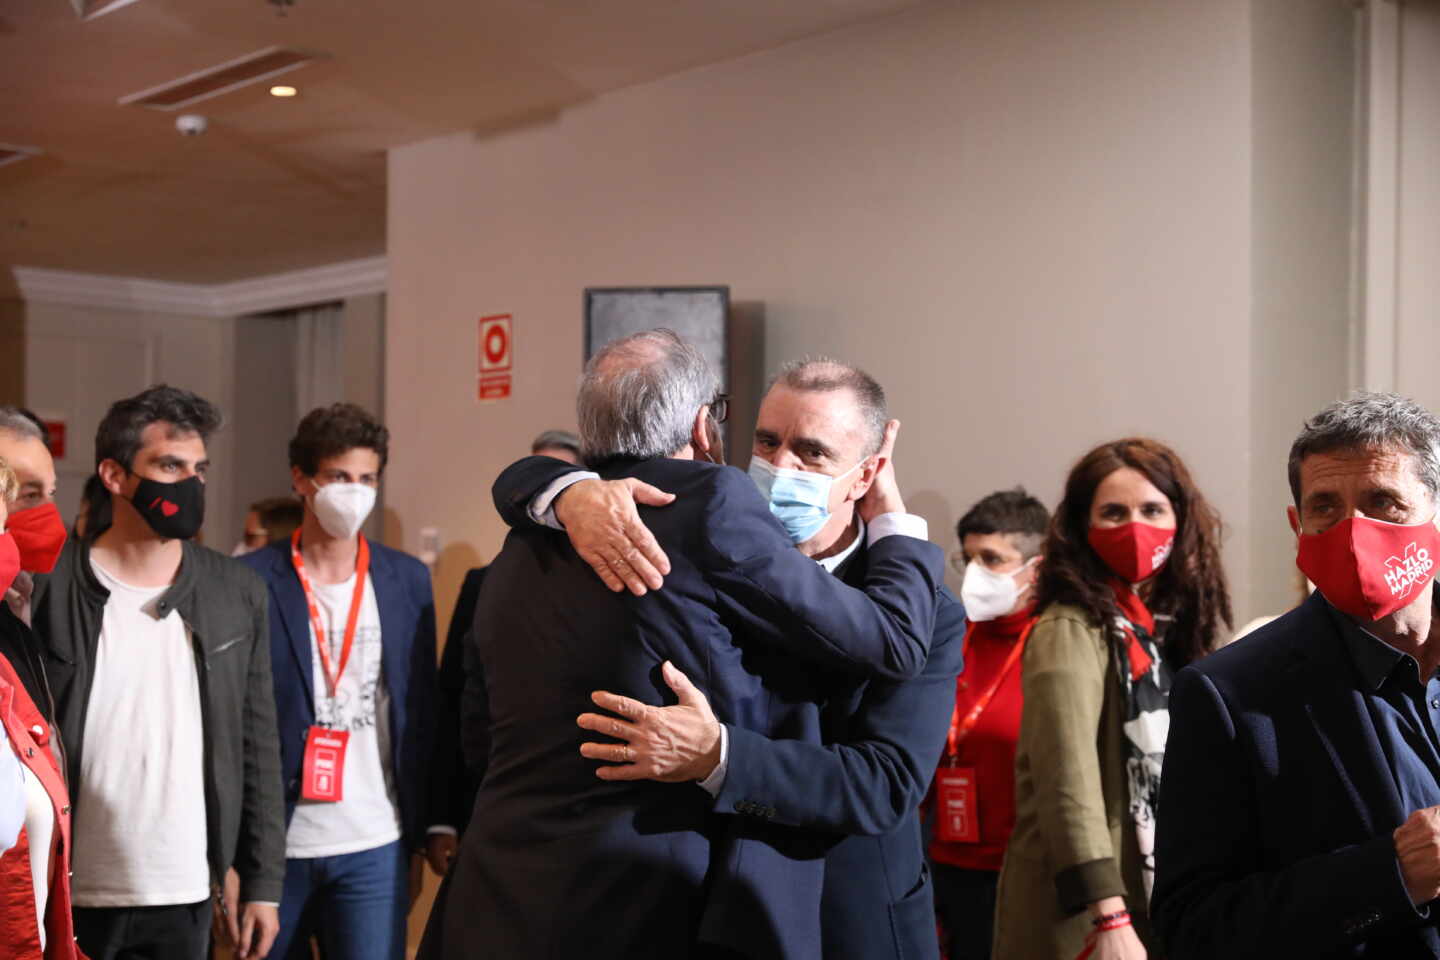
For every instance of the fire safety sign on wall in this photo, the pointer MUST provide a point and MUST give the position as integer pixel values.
(496, 356)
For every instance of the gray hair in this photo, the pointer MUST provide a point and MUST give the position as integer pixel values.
(1371, 422)
(823, 374)
(563, 439)
(639, 395)
(17, 421)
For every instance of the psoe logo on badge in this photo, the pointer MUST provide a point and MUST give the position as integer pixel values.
(1403, 573)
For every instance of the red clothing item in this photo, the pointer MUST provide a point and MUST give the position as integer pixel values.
(990, 746)
(19, 926)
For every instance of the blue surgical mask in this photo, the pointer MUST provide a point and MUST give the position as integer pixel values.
(799, 499)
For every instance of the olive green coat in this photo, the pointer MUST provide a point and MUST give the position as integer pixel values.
(1074, 840)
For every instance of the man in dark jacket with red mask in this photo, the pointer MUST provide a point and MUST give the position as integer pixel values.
(1300, 800)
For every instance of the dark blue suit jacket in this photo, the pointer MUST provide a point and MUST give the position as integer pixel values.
(1277, 806)
(558, 863)
(407, 643)
(883, 742)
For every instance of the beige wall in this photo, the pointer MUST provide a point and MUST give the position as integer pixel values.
(79, 360)
(1302, 163)
(1417, 279)
(1030, 221)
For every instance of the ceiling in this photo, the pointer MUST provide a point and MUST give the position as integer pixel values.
(277, 185)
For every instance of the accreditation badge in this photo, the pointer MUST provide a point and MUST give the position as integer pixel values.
(957, 815)
(322, 776)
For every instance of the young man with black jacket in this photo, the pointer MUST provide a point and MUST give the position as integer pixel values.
(158, 655)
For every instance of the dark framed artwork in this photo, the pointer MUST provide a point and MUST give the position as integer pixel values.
(699, 314)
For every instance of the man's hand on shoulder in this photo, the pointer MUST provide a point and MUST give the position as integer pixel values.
(671, 744)
(605, 528)
(1417, 845)
(884, 494)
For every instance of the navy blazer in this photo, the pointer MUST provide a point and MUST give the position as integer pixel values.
(1277, 807)
(558, 863)
(407, 663)
(883, 743)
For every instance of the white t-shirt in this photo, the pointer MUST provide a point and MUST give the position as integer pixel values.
(368, 816)
(139, 821)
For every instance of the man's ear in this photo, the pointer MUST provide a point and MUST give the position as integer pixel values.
(297, 475)
(1293, 516)
(865, 477)
(699, 436)
(112, 475)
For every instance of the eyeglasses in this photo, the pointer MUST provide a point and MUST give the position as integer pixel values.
(958, 561)
(720, 407)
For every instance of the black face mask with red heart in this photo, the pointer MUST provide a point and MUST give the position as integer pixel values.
(173, 510)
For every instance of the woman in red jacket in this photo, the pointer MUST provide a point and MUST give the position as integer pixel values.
(35, 920)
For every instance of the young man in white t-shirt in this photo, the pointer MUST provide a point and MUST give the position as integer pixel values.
(353, 653)
(158, 657)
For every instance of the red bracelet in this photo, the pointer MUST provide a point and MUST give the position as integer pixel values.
(1112, 921)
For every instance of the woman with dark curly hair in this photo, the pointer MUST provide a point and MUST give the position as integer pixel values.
(1131, 590)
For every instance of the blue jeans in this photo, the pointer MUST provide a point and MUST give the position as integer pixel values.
(355, 903)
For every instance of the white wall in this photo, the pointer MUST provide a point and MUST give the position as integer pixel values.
(1030, 221)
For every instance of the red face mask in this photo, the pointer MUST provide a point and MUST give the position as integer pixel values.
(9, 561)
(39, 535)
(1370, 568)
(1134, 551)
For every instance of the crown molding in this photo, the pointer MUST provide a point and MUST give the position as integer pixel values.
(277, 291)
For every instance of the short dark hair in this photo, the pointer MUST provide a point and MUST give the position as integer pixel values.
(556, 439)
(329, 431)
(1008, 512)
(824, 374)
(1371, 422)
(280, 516)
(118, 436)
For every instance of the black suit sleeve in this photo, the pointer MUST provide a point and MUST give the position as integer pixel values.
(421, 694)
(521, 482)
(782, 596)
(1212, 896)
(474, 704)
(450, 794)
(878, 776)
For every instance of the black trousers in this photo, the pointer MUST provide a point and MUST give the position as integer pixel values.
(965, 904)
(179, 932)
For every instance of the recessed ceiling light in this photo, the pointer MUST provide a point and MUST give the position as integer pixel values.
(283, 91)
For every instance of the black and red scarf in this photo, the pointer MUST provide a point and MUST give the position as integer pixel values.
(1145, 682)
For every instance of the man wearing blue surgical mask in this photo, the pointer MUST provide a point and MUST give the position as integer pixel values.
(819, 446)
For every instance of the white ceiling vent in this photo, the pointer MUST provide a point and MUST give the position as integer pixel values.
(9, 153)
(90, 9)
(214, 81)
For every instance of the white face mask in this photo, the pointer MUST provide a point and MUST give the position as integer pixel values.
(342, 508)
(987, 595)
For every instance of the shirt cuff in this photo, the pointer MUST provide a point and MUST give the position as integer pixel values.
(714, 783)
(440, 828)
(897, 525)
(264, 903)
(542, 506)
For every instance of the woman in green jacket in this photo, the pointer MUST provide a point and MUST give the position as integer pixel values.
(1131, 589)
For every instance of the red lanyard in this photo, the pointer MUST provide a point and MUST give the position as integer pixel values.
(362, 567)
(960, 727)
